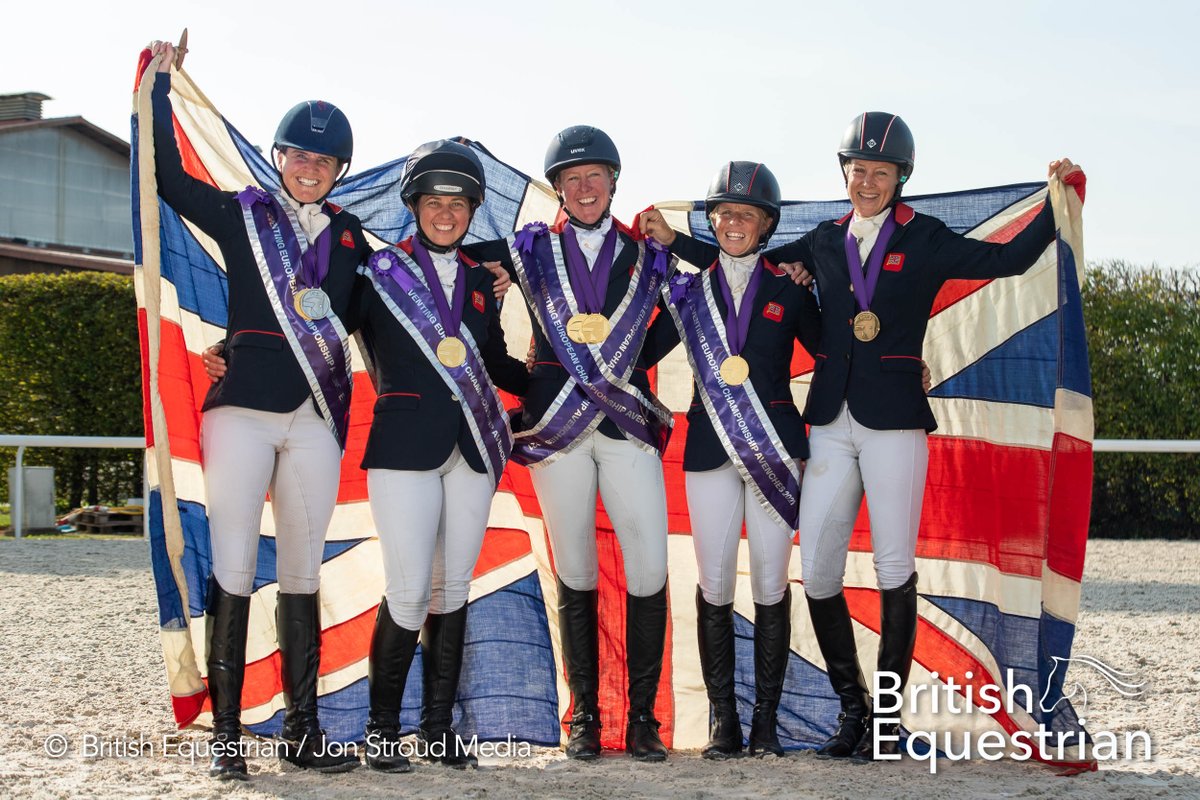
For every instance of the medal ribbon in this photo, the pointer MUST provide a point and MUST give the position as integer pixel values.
(738, 416)
(321, 346)
(599, 377)
(414, 305)
(591, 286)
(449, 312)
(864, 288)
(737, 318)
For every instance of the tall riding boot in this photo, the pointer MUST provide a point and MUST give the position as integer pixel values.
(898, 635)
(228, 618)
(392, 649)
(577, 628)
(298, 625)
(645, 637)
(442, 646)
(714, 629)
(835, 636)
(772, 644)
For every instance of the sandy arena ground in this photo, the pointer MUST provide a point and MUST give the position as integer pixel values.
(81, 657)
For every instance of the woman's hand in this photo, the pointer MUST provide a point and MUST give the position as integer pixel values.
(797, 272)
(214, 364)
(167, 51)
(651, 223)
(503, 283)
(1069, 173)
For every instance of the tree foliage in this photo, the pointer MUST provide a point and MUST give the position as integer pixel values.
(70, 367)
(1143, 329)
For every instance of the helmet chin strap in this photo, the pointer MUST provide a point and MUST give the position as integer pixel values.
(589, 226)
(438, 248)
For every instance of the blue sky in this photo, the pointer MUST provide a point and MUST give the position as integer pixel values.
(991, 92)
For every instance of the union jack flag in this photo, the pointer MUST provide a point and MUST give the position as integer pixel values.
(1002, 538)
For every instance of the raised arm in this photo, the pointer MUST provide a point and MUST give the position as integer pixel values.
(963, 257)
(207, 206)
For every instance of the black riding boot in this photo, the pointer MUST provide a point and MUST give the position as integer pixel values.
(645, 637)
(714, 629)
(228, 618)
(442, 646)
(298, 625)
(835, 635)
(577, 628)
(772, 644)
(392, 649)
(898, 635)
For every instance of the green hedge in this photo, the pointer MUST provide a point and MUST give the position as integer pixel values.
(70, 367)
(1144, 336)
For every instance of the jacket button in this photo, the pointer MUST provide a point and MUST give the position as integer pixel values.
(845, 356)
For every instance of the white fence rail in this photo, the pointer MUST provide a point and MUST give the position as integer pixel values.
(17, 491)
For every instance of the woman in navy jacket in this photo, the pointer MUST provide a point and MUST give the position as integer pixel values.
(277, 421)
(877, 270)
(602, 432)
(746, 446)
(438, 444)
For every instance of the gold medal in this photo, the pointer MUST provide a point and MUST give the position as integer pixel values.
(311, 304)
(588, 328)
(451, 351)
(735, 370)
(866, 326)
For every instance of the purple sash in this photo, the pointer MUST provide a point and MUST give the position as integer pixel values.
(599, 373)
(396, 278)
(737, 414)
(321, 346)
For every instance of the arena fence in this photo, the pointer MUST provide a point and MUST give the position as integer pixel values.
(17, 492)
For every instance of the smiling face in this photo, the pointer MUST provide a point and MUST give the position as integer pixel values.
(308, 177)
(586, 190)
(871, 185)
(738, 227)
(444, 219)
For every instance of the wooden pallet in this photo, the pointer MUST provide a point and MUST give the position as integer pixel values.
(107, 522)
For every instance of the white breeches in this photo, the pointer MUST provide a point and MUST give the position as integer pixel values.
(718, 501)
(631, 486)
(431, 525)
(848, 458)
(293, 456)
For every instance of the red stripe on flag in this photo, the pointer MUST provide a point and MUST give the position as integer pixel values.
(1070, 505)
(188, 707)
(182, 384)
(144, 347)
(501, 546)
(353, 481)
(341, 645)
(955, 290)
(192, 163)
(983, 502)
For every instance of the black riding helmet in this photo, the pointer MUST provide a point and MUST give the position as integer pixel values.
(318, 127)
(444, 167)
(582, 144)
(879, 136)
(747, 182)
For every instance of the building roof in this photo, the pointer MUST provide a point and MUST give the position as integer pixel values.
(65, 258)
(78, 124)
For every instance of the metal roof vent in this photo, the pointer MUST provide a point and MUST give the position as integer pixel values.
(24, 107)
